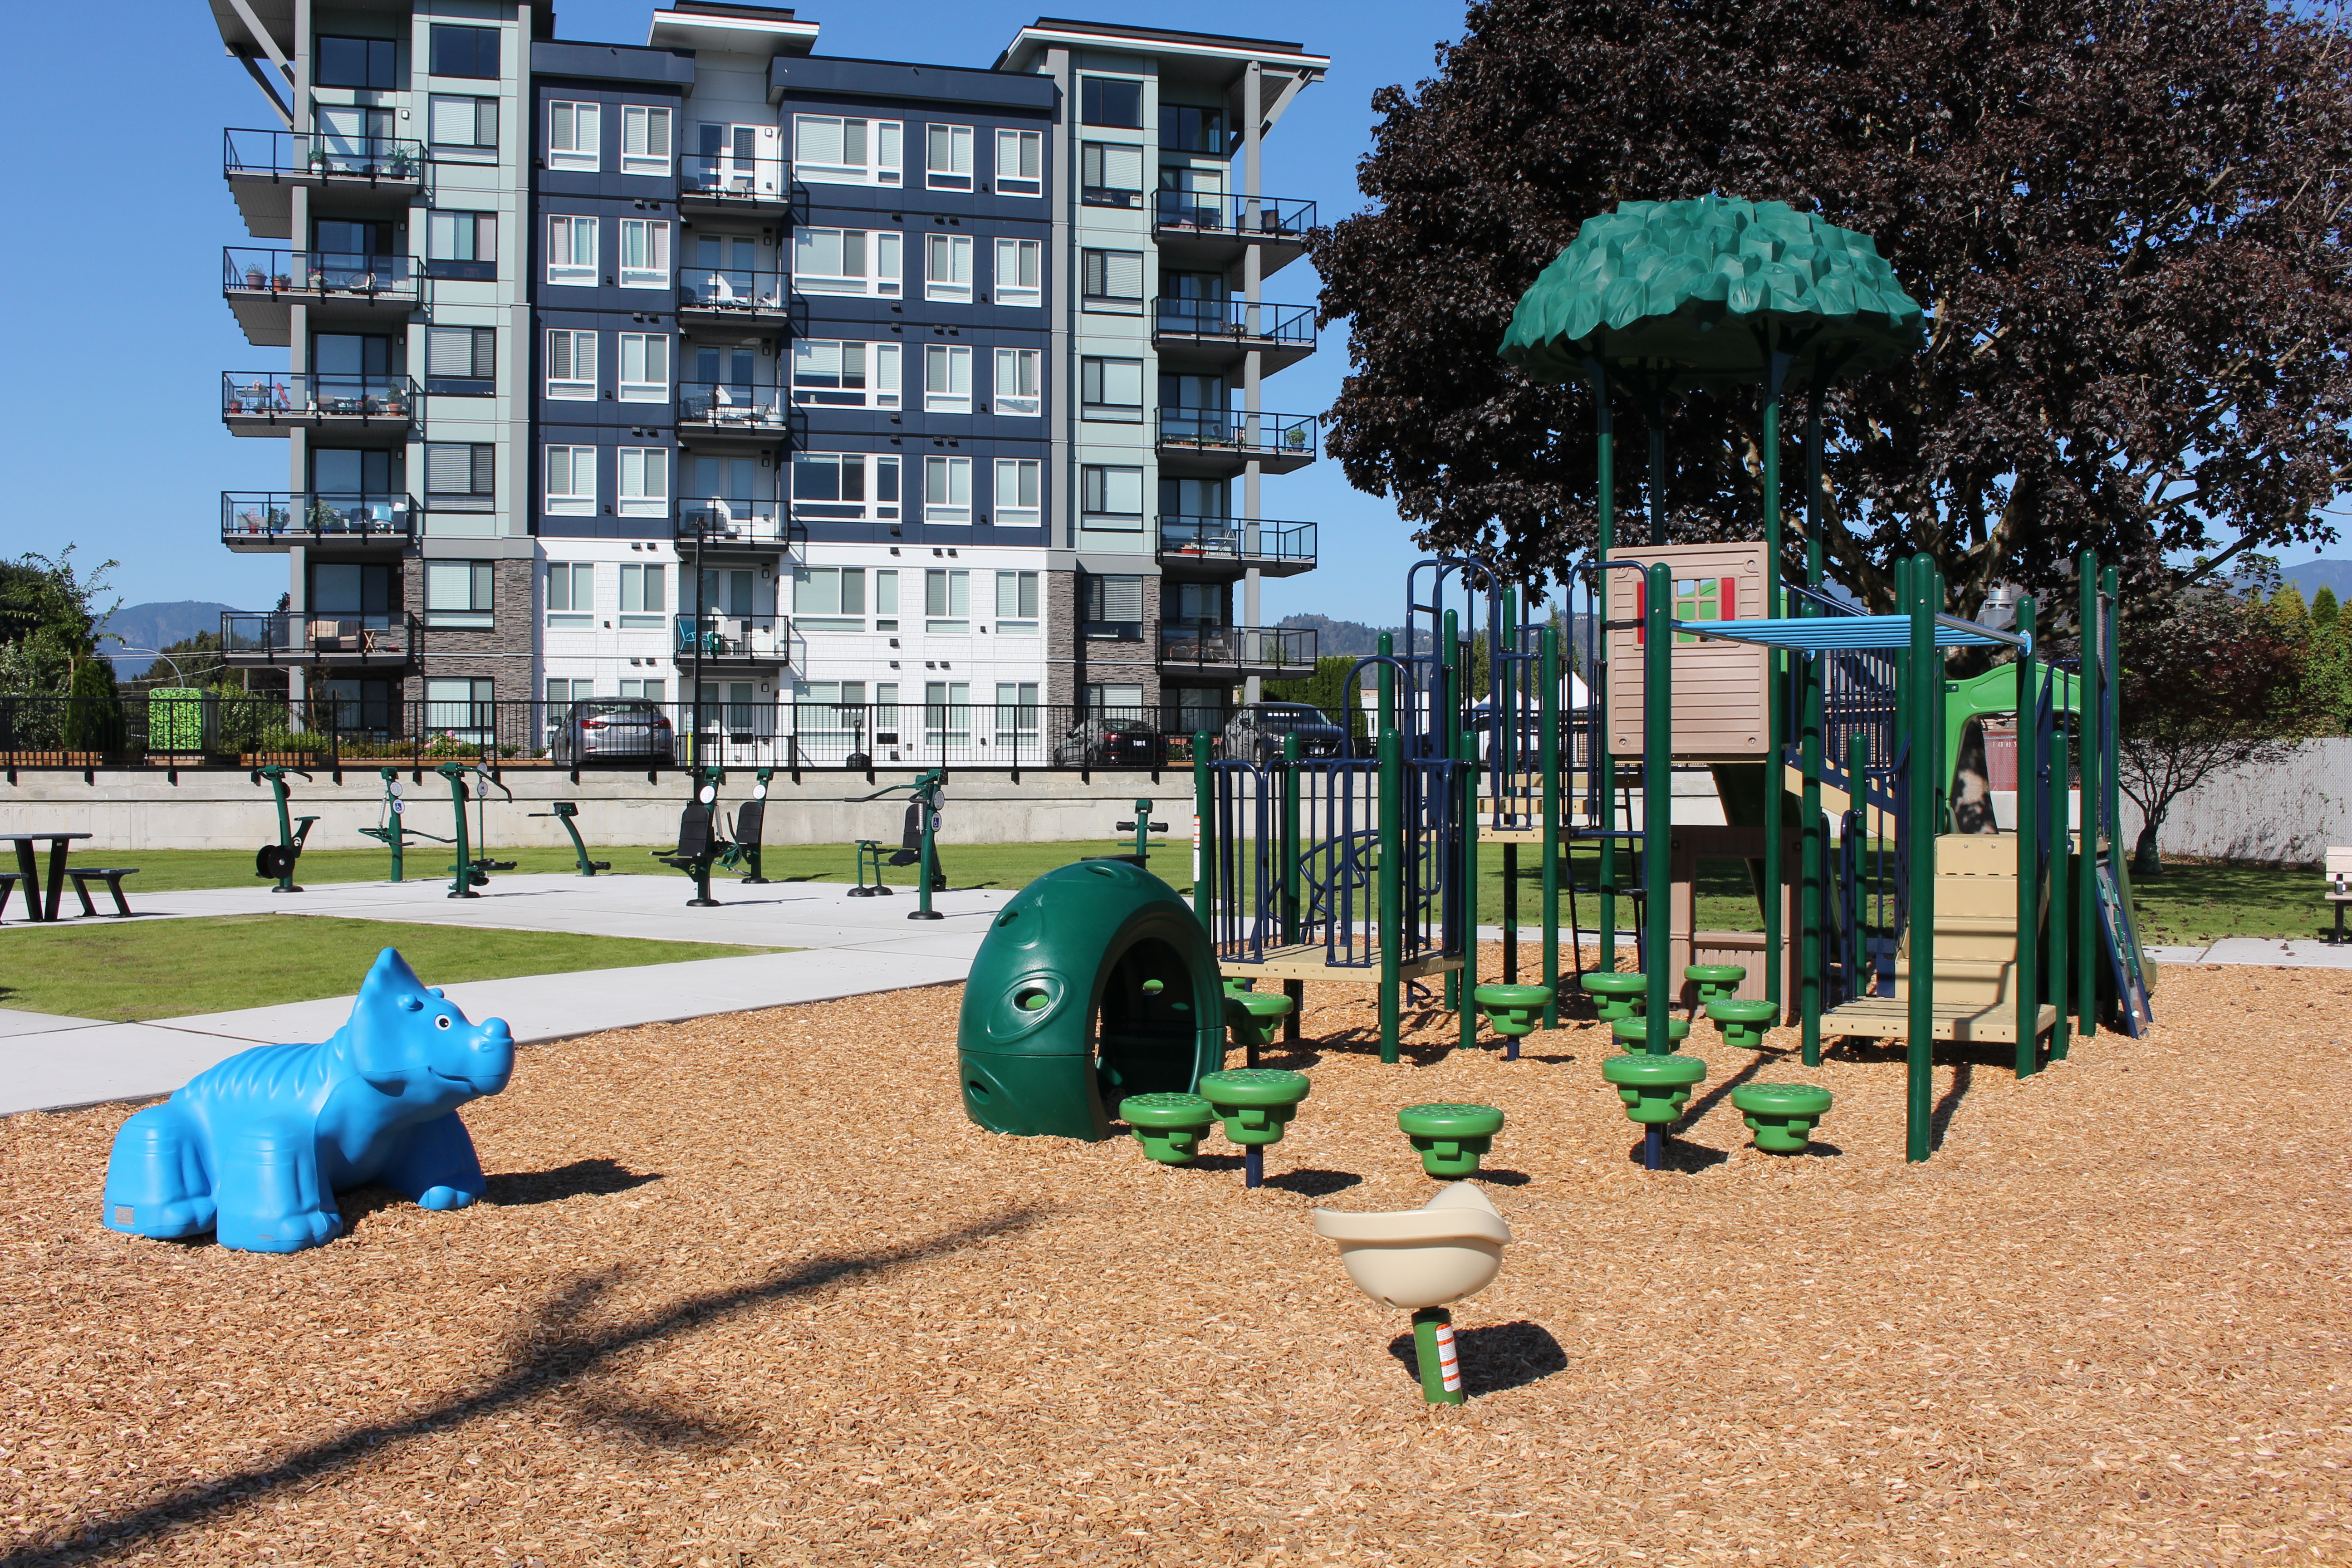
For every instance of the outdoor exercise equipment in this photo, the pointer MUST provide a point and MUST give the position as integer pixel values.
(1743, 1024)
(1254, 1104)
(391, 827)
(255, 1148)
(869, 856)
(918, 841)
(472, 870)
(1450, 1139)
(698, 844)
(565, 812)
(1418, 1260)
(1169, 1126)
(277, 860)
(1513, 1011)
(750, 821)
(1094, 983)
(1781, 1115)
(1143, 827)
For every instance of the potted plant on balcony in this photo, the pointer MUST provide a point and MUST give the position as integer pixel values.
(401, 165)
(254, 276)
(281, 281)
(1295, 439)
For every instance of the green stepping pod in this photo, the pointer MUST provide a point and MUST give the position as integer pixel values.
(1654, 1088)
(1616, 996)
(1451, 1138)
(1251, 1016)
(1169, 1126)
(1781, 1115)
(1633, 1034)
(1254, 1103)
(1716, 982)
(1743, 1024)
(1514, 1011)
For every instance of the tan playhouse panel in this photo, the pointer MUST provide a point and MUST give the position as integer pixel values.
(1719, 687)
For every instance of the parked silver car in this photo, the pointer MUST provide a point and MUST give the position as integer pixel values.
(614, 729)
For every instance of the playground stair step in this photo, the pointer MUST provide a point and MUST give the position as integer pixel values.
(1889, 1017)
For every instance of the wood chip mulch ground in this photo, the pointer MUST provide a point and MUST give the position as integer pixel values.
(751, 1291)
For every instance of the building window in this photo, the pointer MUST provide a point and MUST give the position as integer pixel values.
(885, 600)
(1019, 487)
(466, 51)
(1195, 604)
(466, 124)
(1019, 375)
(573, 135)
(947, 490)
(1110, 175)
(461, 710)
(1017, 709)
(461, 244)
(356, 62)
(831, 373)
(571, 364)
(644, 140)
(1111, 606)
(947, 268)
(829, 598)
(845, 487)
(1184, 129)
(572, 251)
(645, 367)
(947, 602)
(1106, 100)
(457, 594)
(459, 478)
(947, 159)
(644, 253)
(1113, 700)
(1020, 272)
(846, 261)
(946, 712)
(645, 482)
(946, 379)
(1016, 603)
(461, 362)
(571, 597)
(1110, 499)
(1111, 280)
(1111, 389)
(645, 600)
(1021, 162)
(832, 150)
(570, 481)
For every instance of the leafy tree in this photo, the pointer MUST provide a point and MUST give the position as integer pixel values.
(2125, 216)
(49, 619)
(2323, 608)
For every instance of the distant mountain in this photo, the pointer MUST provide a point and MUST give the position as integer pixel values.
(2311, 576)
(1346, 639)
(158, 625)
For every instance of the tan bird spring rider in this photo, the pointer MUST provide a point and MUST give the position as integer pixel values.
(1420, 1260)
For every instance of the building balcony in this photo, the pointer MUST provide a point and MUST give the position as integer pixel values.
(255, 521)
(257, 637)
(364, 174)
(722, 182)
(1212, 443)
(262, 287)
(1211, 334)
(1191, 226)
(1218, 549)
(377, 409)
(733, 410)
(721, 643)
(727, 523)
(725, 296)
(1234, 652)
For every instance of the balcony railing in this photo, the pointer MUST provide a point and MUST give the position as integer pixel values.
(1244, 217)
(298, 517)
(1232, 539)
(733, 291)
(1247, 435)
(315, 276)
(305, 155)
(733, 640)
(724, 177)
(1292, 324)
(277, 397)
(1209, 646)
(305, 637)
(732, 405)
(727, 520)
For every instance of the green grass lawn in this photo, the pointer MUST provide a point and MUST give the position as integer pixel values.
(172, 968)
(2197, 901)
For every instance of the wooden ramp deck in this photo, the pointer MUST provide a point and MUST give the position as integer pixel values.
(1309, 961)
(1889, 1017)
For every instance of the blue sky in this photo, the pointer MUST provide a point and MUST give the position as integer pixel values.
(111, 406)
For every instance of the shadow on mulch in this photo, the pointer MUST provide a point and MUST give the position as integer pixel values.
(1678, 1154)
(1503, 1178)
(582, 1178)
(1495, 1357)
(1308, 1183)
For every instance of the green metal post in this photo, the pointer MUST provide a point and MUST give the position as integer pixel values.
(1923, 678)
(1392, 874)
(1204, 837)
(1814, 867)
(393, 804)
(2027, 975)
(1446, 719)
(579, 845)
(1433, 1353)
(1143, 830)
(1776, 707)
(1466, 980)
(1657, 821)
(1291, 846)
(1385, 678)
(2061, 824)
(926, 795)
(1857, 779)
(1602, 763)
(1548, 754)
(2093, 758)
(2111, 817)
(461, 884)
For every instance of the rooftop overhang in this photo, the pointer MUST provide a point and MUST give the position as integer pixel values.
(256, 27)
(730, 29)
(1214, 59)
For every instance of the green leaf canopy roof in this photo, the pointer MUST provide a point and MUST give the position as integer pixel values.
(1701, 289)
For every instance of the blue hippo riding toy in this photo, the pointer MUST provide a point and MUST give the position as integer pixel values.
(257, 1148)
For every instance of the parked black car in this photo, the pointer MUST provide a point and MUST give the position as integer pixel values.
(1254, 733)
(1109, 743)
(608, 729)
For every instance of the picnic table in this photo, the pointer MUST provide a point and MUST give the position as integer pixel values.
(42, 909)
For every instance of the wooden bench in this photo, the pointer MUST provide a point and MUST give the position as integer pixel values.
(2339, 889)
(111, 875)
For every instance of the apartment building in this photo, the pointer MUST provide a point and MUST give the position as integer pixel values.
(713, 367)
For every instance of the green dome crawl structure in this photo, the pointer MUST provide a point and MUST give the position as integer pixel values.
(1707, 290)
